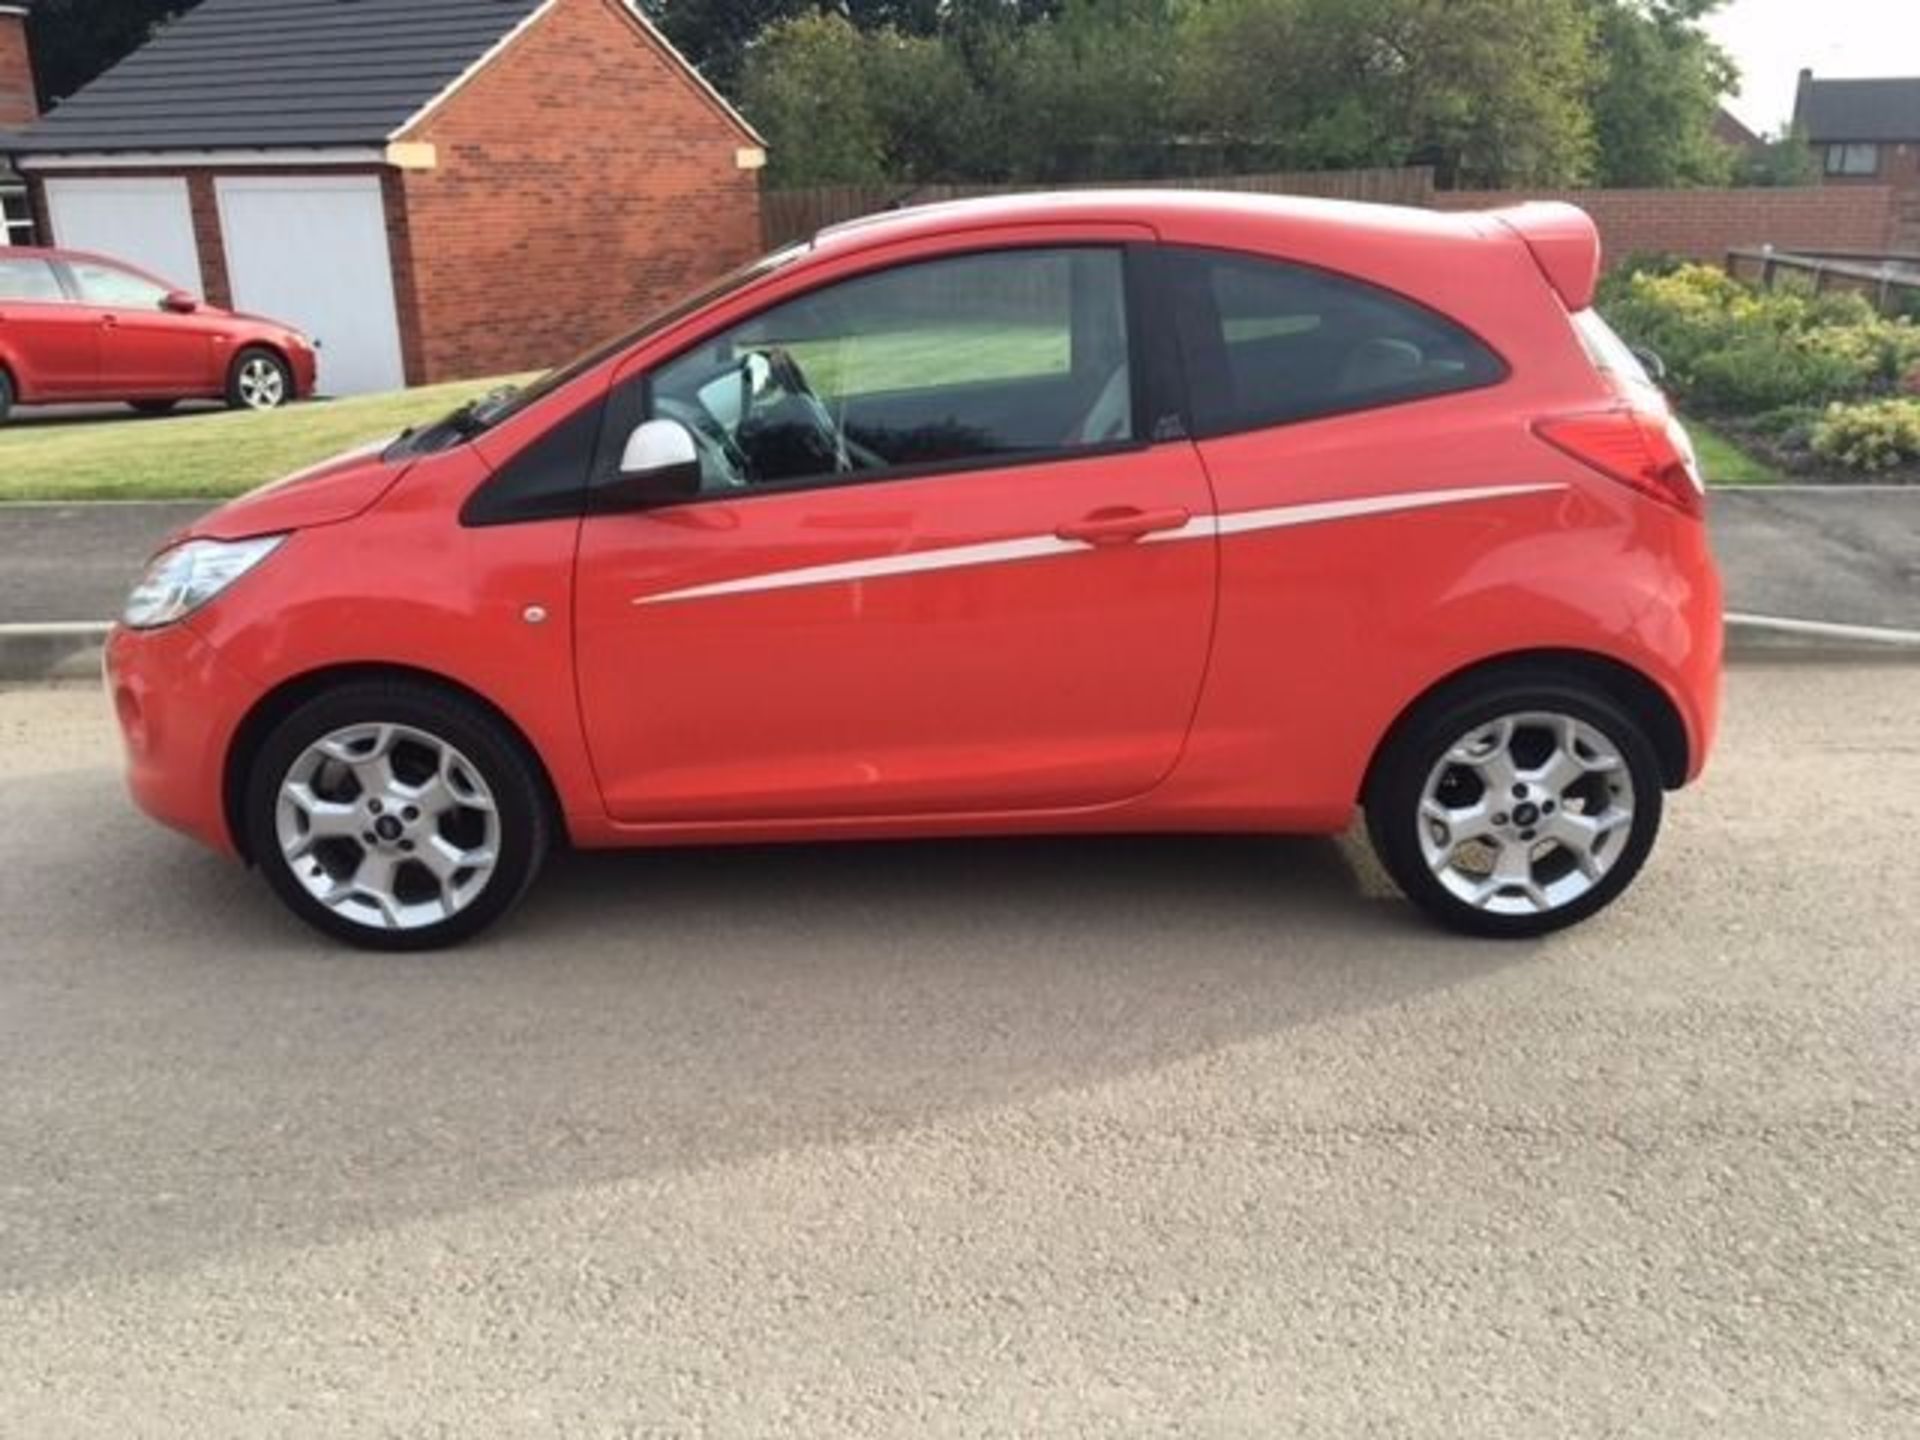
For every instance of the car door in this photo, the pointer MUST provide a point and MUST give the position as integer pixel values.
(937, 567)
(50, 343)
(145, 348)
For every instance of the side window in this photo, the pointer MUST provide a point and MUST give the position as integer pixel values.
(112, 286)
(979, 357)
(31, 280)
(1268, 342)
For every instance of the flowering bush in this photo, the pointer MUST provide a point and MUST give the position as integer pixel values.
(1734, 349)
(1877, 435)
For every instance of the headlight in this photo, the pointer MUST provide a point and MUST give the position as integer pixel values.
(184, 578)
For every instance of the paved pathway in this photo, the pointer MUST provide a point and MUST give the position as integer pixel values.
(1072, 1138)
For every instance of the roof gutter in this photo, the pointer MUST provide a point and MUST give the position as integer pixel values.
(404, 156)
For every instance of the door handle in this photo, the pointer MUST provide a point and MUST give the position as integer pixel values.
(1121, 524)
(109, 322)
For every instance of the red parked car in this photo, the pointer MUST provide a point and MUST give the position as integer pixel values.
(1090, 512)
(77, 327)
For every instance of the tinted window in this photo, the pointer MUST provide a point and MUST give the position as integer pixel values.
(1268, 342)
(108, 285)
(1012, 353)
(28, 280)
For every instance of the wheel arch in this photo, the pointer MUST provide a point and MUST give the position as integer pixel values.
(273, 707)
(1634, 691)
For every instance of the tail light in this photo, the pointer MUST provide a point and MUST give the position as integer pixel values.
(1648, 452)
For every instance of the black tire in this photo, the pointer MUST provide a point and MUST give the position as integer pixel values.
(6, 396)
(153, 407)
(1400, 773)
(238, 378)
(504, 765)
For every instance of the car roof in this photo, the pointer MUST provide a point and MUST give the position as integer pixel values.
(49, 252)
(1184, 212)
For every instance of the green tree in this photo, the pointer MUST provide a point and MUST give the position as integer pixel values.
(75, 40)
(1784, 159)
(1658, 88)
(1490, 92)
(806, 86)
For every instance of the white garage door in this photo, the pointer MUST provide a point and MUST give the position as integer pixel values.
(146, 222)
(312, 250)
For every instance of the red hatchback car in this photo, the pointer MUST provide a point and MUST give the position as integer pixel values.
(1091, 512)
(77, 327)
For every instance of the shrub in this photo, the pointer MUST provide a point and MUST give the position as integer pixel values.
(1875, 436)
(1730, 347)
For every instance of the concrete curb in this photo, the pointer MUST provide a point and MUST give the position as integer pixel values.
(68, 651)
(1776, 637)
(71, 651)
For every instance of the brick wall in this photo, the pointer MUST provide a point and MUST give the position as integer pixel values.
(18, 104)
(582, 181)
(1707, 223)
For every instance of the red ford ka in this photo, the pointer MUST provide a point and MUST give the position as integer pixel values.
(77, 327)
(1074, 513)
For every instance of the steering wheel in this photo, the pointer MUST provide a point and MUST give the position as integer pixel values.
(720, 454)
(783, 370)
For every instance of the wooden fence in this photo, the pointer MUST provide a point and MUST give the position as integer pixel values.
(789, 215)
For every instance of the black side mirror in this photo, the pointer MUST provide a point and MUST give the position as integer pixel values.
(1655, 367)
(659, 466)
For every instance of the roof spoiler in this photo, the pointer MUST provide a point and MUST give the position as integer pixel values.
(1564, 243)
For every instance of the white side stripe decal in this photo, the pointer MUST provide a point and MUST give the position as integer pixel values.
(1036, 547)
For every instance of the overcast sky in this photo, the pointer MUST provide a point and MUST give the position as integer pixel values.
(1772, 39)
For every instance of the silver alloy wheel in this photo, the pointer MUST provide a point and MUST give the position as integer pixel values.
(387, 826)
(262, 383)
(1526, 813)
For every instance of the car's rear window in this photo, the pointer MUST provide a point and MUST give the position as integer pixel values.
(1269, 342)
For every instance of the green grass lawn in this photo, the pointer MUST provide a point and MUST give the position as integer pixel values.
(206, 456)
(1724, 463)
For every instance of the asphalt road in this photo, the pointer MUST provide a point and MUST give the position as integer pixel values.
(1848, 555)
(1036, 1139)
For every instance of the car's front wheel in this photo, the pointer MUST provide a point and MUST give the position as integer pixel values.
(1516, 806)
(259, 380)
(6, 396)
(395, 815)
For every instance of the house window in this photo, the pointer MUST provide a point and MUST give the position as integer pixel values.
(16, 218)
(1853, 159)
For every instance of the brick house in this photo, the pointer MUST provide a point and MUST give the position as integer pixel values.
(435, 189)
(1866, 132)
(19, 107)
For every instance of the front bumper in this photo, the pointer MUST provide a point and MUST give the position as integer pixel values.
(179, 707)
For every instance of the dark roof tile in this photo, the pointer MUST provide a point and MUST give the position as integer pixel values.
(1860, 109)
(246, 74)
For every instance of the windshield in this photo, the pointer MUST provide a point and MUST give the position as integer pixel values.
(498, 405)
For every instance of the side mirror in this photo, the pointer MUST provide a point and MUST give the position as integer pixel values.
(1655, 367)
(659, 466)
(180, 302)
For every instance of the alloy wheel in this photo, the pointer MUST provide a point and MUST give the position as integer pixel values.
(261, 382)
(1526, 813)
(388, 826)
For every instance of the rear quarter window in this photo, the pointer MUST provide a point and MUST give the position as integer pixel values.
(1268, 342)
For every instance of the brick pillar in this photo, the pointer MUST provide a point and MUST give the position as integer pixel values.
(18, 103)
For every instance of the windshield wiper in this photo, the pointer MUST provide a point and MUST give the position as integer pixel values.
(477, 414)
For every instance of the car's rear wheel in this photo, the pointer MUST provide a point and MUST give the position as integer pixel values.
(259, 380)
(1517, 805)
(396, 816)
(6, 396)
